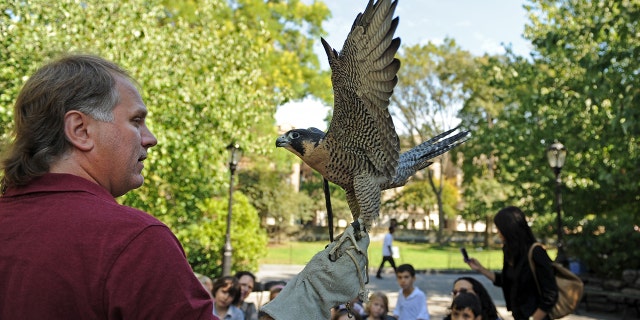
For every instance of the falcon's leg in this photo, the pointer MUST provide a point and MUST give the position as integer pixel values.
(367, 194)
(352, 233)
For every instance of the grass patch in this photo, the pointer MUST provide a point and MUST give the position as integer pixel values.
(422, 256)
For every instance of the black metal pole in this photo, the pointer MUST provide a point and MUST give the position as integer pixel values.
(561, 257)
(228, 250)
(327, 201)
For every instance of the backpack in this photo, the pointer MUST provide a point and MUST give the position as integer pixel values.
(570, 287)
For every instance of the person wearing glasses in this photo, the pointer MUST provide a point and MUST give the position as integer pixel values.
(473, 286)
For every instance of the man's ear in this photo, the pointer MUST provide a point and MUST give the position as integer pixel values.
(76, 128)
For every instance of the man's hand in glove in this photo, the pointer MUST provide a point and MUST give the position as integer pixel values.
(325, 282)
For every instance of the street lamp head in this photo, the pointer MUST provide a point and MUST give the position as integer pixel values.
(556, 154)
(235, 153)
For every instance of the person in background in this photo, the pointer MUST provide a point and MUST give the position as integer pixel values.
(342, 313)
(378, 307)
(387, 252)
(206, 282)
(473, 286)
(516, 278)
(274, 291)
(80, 140)
(247, 282)
(465, 306)
(226, 294)
(412, 302)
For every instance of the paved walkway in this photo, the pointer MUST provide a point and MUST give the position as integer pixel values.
(437, 286)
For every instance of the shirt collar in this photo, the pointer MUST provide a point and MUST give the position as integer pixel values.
(59, 182)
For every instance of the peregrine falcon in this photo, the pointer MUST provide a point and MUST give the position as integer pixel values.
(360, 151)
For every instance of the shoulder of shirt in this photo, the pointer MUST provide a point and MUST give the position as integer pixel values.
(101, 203)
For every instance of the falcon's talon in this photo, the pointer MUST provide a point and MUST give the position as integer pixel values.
(348, 234)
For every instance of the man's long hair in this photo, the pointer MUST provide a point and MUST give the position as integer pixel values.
(81, 82)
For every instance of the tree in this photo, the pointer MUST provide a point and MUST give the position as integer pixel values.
(483, 198)
(426, 99)
(577, 87)
(592, 60)
(487, 185)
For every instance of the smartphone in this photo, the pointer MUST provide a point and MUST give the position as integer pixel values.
(464, 254)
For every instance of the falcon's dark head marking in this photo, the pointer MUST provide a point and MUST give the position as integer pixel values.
(300, 141)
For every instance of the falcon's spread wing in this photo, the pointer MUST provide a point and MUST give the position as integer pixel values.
(363, 78)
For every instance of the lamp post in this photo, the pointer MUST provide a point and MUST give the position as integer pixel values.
(235, 153)
(556, 154)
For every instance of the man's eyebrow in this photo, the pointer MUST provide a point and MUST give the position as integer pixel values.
(141, 111)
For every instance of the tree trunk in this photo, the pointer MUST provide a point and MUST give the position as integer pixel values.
(438, 193)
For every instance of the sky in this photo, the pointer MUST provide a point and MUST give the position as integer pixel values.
(479, 26)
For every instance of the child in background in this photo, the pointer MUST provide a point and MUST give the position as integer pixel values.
(226, 294)
(473, 286)
(378, 307)
(466, 306)
(412, 302)
(342, 313)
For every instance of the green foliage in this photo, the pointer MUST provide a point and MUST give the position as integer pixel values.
(417, 195)
(209, 76)
(484, 197)
(273, 195)
(589, 60)
(312, 185)
(292, 29)
(204, 239)
(606, 244)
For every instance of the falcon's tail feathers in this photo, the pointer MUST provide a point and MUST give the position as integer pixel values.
(419, 156)
(437, 145)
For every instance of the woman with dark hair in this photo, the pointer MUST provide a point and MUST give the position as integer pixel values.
(473, 286)
(516, 279)
(226, 294)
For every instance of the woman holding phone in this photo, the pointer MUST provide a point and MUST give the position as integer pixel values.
(516, 278)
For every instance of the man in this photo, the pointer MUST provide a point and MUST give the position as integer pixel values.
(387, 252)
(69, 250)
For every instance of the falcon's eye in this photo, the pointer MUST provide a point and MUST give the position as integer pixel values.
(294, 135)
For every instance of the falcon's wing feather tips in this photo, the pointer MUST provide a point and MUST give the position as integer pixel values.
(360, 151)
(363, 78)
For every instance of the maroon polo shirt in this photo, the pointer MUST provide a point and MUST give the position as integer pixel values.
(68, 250)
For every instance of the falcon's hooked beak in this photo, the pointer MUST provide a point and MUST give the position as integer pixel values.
(282, 141)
